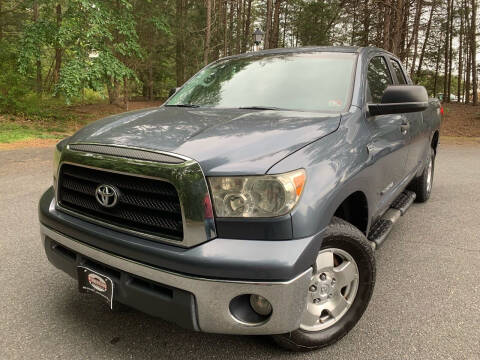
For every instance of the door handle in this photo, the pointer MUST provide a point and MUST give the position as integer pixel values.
(404, 127)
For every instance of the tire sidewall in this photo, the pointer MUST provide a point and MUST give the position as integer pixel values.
(432, 159)
(359, 248)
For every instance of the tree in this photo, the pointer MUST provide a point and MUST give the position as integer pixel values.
(276, 24)
(426, 39)
(180, 14)
(268, 25)
(473, 47)
(60, 47)
(207, 31)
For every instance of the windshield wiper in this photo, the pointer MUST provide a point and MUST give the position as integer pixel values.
(260, 108)
(184, 105)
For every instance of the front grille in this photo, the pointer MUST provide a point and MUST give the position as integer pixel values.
(144, 205)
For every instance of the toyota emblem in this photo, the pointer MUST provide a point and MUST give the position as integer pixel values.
(106, 195)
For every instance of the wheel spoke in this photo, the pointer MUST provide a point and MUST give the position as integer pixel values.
(311, 315)
(345, 273)
(336, 306)
(324, 261)
(326, 303)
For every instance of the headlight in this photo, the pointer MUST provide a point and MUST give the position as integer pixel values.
(257, 196)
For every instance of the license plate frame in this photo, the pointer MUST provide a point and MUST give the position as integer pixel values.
(93, 282)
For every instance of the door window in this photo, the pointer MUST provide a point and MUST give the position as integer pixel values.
(397, 68)
(378, 77)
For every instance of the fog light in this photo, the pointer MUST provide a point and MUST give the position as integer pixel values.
(260, 305)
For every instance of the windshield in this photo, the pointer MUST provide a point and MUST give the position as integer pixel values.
(317, 81)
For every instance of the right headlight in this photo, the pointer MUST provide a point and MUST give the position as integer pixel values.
(257, 196)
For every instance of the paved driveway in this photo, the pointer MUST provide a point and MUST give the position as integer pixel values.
(426, 303)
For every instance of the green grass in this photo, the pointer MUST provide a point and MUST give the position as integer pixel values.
(39, 118)
(48, 117)
(11, 132)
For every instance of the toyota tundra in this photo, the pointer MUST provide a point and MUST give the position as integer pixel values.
(253, 200)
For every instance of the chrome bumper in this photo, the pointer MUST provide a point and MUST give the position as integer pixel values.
(212, 296)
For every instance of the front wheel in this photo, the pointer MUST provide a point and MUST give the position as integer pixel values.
(339, 291)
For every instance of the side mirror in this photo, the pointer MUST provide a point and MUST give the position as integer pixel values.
(399, 99)
(173, 91)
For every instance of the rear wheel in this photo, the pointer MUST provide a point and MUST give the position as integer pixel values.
(422, 185)
(339, 291)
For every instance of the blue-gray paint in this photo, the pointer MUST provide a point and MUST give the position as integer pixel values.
(342, 153)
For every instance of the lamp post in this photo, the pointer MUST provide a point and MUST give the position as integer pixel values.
(257, 37)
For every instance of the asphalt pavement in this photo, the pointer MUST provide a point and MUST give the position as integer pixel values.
(426, 303)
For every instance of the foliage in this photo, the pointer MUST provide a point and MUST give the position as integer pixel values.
(89, 50)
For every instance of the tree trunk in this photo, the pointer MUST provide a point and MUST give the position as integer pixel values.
(268, 25)
(225, 32)
(474, 53)
(386, 25)
(1, 20)
(425, 42)
(206, 50)
(398, 25)
(230, 27)
(446, 52)
(58, 49)
(125, 93)
(276, 24)
(468, 74)
(246, 31)
(450, 52)
(38, 63)
(403, 51)
(113, 89)
(365, 23)
(238, 27)
(460, 60)
(467, 53)
(354, 22)
(285, 17)
(150, 80)
(180, 42)
(437, 66)
(416, 25)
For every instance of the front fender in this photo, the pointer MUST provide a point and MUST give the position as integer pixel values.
(336, 166)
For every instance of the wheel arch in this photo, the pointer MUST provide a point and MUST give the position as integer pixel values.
(354, 209)
(434, 142)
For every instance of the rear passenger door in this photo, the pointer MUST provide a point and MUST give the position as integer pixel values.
(414, 129)
(387, 143)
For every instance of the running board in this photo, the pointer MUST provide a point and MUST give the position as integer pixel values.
(382, 227)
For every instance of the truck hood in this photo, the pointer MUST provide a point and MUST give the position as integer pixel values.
(223, 141)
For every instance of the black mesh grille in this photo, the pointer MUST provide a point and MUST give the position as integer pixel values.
(144, 205)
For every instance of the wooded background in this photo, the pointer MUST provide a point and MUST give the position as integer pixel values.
(124, 49)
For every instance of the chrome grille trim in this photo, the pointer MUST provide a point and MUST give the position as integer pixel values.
(129, 153)
(187, 178)
(149, 206)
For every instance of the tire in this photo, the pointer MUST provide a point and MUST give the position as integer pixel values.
(344, 237)
(422, 185)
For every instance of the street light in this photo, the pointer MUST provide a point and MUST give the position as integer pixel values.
(258, 36)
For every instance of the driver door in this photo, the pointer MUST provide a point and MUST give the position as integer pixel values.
(387, 146)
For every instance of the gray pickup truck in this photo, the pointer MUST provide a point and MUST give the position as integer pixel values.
(253, 200)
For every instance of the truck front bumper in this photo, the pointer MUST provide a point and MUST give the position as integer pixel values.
(198, 303)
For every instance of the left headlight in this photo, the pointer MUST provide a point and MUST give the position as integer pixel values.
(257, 196)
